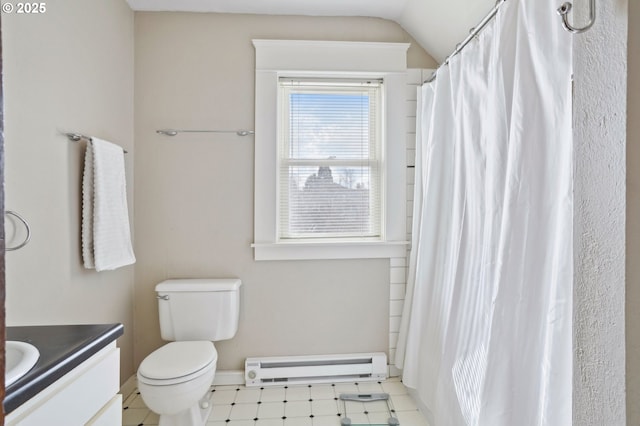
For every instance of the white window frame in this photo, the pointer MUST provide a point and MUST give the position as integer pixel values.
(324, 59)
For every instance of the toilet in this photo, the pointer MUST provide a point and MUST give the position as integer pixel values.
(174, 380)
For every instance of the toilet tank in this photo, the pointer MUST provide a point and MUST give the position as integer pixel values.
(199, 309)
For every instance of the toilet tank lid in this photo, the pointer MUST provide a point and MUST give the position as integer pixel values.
(199, 284)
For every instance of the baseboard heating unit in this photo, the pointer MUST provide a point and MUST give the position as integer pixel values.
(264, 371)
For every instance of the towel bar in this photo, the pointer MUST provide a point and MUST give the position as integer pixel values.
(77, 137)
(173, 132)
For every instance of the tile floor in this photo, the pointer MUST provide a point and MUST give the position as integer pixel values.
(298, 405)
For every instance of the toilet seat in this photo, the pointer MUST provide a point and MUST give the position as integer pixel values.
(177, 362)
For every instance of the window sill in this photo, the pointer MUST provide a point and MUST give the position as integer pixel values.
(329, 250)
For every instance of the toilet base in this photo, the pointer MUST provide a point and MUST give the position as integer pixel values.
(180, 404)
(194, 416)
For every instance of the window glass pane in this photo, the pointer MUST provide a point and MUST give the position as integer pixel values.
(329, 163)
(326, 200)
(324, 125)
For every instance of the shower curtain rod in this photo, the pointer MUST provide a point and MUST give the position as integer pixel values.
(563, 11)
(472, 33)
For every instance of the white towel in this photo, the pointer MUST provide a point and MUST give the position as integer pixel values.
(106, 237)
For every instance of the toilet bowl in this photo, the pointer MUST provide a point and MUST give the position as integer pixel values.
(174, 382)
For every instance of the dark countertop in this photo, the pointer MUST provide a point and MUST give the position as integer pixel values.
(62, 348)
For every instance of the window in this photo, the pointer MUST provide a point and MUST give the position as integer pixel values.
(330, 173)
(330, 150)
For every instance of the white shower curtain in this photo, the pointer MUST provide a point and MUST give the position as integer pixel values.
(486, 335)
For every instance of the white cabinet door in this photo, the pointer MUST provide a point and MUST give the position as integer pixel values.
(75, 398)
(110, 415)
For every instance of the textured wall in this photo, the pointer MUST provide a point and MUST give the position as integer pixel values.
(70, 68)
(599, 220)
(633, 217)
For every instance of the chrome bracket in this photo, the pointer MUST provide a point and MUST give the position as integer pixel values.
(564, 10)
(27, 227)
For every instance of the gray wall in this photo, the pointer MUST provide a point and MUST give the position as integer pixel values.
(194, 193)
(70, 68)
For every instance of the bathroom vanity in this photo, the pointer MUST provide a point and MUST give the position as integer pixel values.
(75, 381)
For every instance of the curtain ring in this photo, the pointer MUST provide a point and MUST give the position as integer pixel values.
(26, 225)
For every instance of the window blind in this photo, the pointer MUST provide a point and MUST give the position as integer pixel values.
(330, 183)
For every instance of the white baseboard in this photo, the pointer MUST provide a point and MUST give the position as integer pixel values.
(229, 377)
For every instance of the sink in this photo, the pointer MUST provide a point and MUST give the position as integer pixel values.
(20, 358)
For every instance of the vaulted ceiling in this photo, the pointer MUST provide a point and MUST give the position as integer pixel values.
(437, 25)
